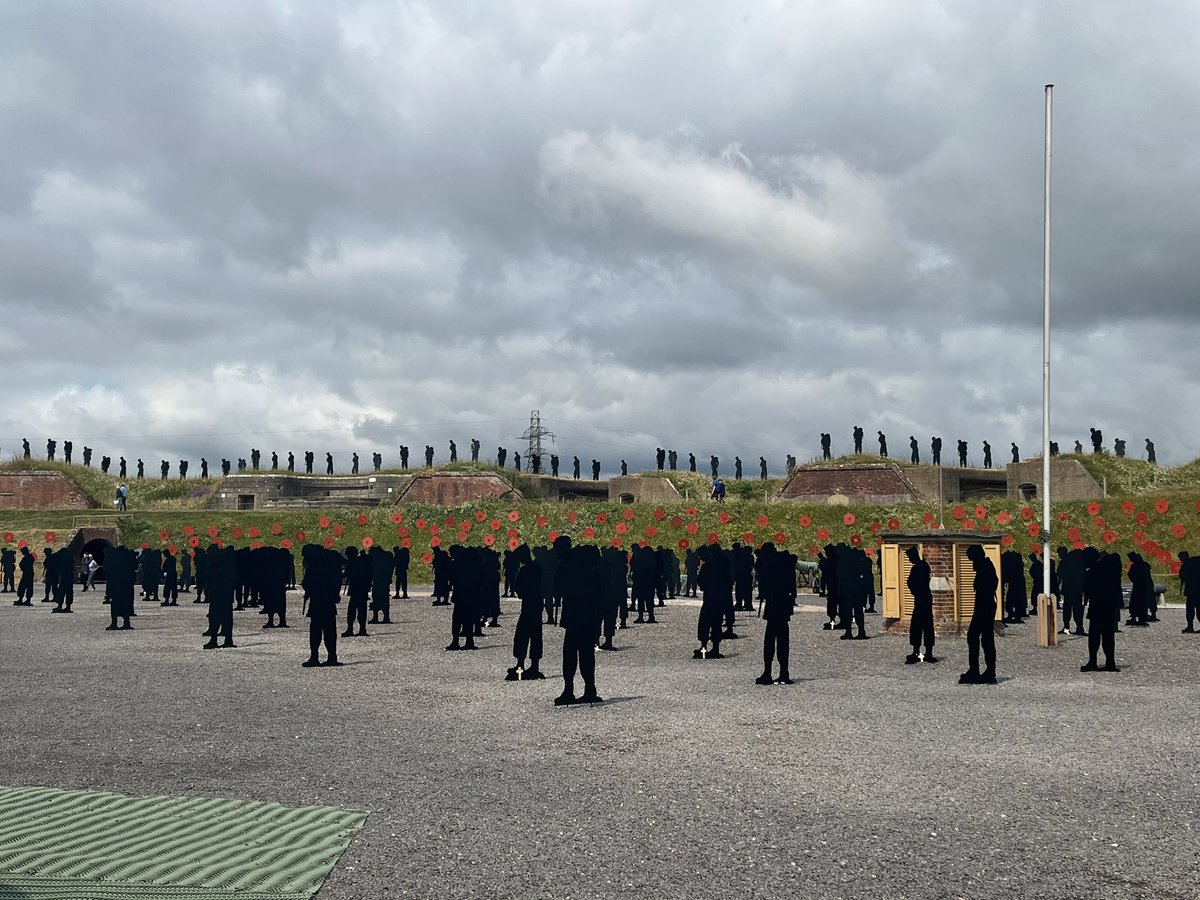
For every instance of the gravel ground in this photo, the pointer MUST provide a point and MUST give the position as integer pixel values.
(867, 778)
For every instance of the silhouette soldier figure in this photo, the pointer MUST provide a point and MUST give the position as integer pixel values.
(962, 453)
(826, 443)
(1097, 441)
(691, 462)
(1119, 448)
(920, 627)
(402, 556)
(987, 455)
(715, 585)
(578, 580)
(1102, 585)
(51, 445)
(219, 583)
(203, 467)
(737, 468)
(403, 457)
(428, 456)
(255, 458)
(624, 467)
(120, 565)
(1053, 449)
(1016, 452)
(673, 460)
(501, 457)
(858, 439)
(595, 470)
(762, 468)
(535, 463)
(382, 564)
(982, 630)
(309, 458)
(164, 467)
(323, 586)
(183, 467)
(376, 461)
(935, 448)
(475, 449)
(453, 452)
(1012, 579)
(882, 445)
(517, 461)
(87, 456)
(354, 463)
(527, 637)
(1189, 583)
(358, 591)
(67, 448)
(274, 461)
(25, 447)
(554, 465)
(660, 456)
(25, 584)
(1078, 448)
(8, 566)
(141, 470)
(715, 464)
(328, 463)
(291, 463)
(914, 455)
(575, 469)
(1150, 457)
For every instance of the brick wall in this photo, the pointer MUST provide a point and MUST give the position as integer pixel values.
(41, 490)
(882, 484)
(452, 489)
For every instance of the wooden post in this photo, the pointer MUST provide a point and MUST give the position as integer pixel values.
(1047, 624)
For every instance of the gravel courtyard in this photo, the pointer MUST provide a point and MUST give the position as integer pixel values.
(867, 778)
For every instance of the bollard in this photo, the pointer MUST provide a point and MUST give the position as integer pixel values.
(1047, 624)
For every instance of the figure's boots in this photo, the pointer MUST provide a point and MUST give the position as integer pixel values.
(784, 678)
(764, 678)
(311, 663)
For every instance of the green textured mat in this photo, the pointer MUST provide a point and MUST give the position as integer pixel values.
(89, 845)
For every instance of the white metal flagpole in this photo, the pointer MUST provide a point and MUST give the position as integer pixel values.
(1046, 560)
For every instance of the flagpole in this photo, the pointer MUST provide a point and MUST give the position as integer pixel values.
(1046, 559)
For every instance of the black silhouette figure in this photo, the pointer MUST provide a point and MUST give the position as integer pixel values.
(51, 445)
(578, 580)
(1119, 448)
(716, 587)
(354, 463)
(474, 449)
(170, 579)
(309, 458)
(858, 439)
(1072, 573)
(122, 474)
(715, 464)
(517, 461)
(183, 467)
(791, 463)
(1102, 585)
(241, 465)
(624, 467)
(224, 467)
(453, 452)
(87, 456)
(466, 576)
(914, 455)
(120, 566)
(328, 463)
(291, 463)
(982, 629)
(882, 445)
(203, 467)
(382, 567)
(673, 460)
(376, 461)
(595, 470)
(962, 453)
(575, 469)
(1012, 581)
(1053, 449)
(104, 464)
(1078, 448)
(274, 461)
(920, 626)
(358, 591)
(527, 638)
(25, 447)
(826, 443)
(1141, 591)
(8, 566)
(25, 583)
(67, 448)
(255, 458)
(1016, 452)
(737, 468)
(778, 584)
(217, 580)
(141, 470)
(660, 457)
(1150, 457)
(762, 468)
(935, 449)
(691, 462)
(501, 457)
(535, 463)
(164, 467)
(322, 584)
(854, 581)
(1097, 441)
(403, 457)
(987, 455)
(554, 465)
(1189, 583)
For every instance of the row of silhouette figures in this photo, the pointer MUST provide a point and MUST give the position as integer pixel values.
(935, 448)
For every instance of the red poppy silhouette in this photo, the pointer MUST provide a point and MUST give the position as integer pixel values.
(193, 541)
(651, 531)
(848, 519)
(276, 528)
(406, 543)
(328, 542)
(1150, 546)
(660, 513)
(427, 558)
(1074, 534)
(822, 534)
(189, 530)
(1109, 536)
(368, 542)
(805, 521)
(622, 528)
(255, 545)
(1128, 507)
(421, 524)
(601, 518)
(1139, 537)
(615, 542)
(1175, 567)
(514, 543)
(24, 543)
(449, 521)
(301, 536)
(856, 540)
(286, 544)
(691, 511)
(1003, 518)
(237, 531)
(163, 535)
(1026, 513)
(1099, 522)
(494, 524)
(748, 537)
(1177, 530)
(361, 519)
(1036, 549)
(893, 524)
(553, 536)
(339, 530)
(959, 513)
(684, 544)
(542, 521)
(402, 532)
(713, 537)
(489, 539)
(9, 537)
(1162, 507)
(874, 527)
(437, 541)
(1093, 508)
(589, 532)
(254, 532)
(213, 531)
(693, 529)
(968, 524)
(723, 518)
(512, 533)
(324, 521)
(627, 513)
(513, 515)
(1034, 530)
(676, 521)
(929, 518)
(980, 512)
(1006, 540)
(572, 517)
(1142, 519)
(813, 550)
(780, 537)
(1165, 557)
(1064, 517)
(763, 521)
(397, 518)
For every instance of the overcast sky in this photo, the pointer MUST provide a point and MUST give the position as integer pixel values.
(722, 227)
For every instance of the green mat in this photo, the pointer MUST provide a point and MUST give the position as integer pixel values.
(90, 845)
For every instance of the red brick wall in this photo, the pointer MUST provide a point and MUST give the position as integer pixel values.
(882, 484)
(40, 490)
(450, 490)
(941, 565)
